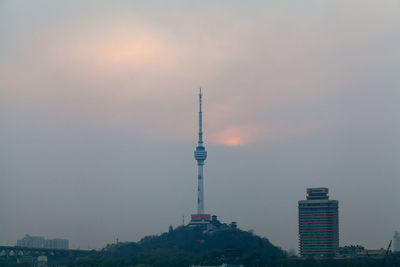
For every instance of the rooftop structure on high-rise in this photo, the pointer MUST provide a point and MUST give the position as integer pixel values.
(318, 224)
(200, 155)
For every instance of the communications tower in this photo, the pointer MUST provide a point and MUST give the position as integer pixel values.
(200, 155)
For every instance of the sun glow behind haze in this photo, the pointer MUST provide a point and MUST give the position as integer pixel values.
(142, 47)
(233, 141)
(116, 50)
(238, 135)
(231, 137)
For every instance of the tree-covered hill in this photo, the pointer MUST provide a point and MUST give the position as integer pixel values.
(210, 246)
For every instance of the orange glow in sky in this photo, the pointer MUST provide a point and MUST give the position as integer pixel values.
(118, 49)
(134, 48)
(233, 141)
(241, 135)
(230, 137)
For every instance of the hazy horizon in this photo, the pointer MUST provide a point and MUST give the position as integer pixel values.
(98, 107)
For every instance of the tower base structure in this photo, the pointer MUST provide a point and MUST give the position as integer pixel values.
(200, 220)
(209, 223)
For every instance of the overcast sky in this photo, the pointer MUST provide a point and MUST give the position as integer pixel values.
(98, 115)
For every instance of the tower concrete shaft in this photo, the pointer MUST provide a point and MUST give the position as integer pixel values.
(200, 154)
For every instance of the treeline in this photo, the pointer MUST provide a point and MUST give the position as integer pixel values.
(185, 261)
(185, 247)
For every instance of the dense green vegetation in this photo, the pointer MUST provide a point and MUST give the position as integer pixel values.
(11, 263)
(161, 259)
(194, 241)
(185, 247)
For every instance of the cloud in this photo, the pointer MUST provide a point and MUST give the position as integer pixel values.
(287, 70)
(91, 92)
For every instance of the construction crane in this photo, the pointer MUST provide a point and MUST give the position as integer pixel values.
(388, 248)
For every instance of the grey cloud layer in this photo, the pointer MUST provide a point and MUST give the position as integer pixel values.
(98, 109)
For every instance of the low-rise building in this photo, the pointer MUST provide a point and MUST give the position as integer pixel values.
(372, 253)
(350, 251)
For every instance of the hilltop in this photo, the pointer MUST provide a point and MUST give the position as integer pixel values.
(183, 246)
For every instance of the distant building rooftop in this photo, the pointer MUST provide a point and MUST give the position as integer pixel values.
(317, 193)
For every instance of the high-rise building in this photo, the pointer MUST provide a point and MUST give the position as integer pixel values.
(396, 242)
(318, 224)
(200, 155)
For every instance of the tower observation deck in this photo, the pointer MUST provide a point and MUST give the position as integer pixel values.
(200, 155)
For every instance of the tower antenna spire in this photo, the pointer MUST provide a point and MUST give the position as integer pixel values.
(200, 119)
